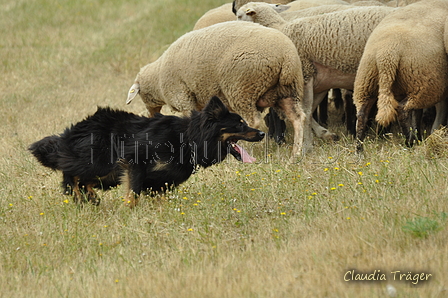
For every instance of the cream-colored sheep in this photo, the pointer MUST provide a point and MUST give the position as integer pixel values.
(224, 12)
(216, 15)
(399, 3)
(236, 4)
(295, 5)
(404, 66)
(442, 106)
(368, 3)
(248, 66)
(330, 45)
(290, 15)
(392, 3)
(300, 8)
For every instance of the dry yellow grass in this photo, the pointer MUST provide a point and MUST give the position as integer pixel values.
(270, 229)
(436, 144)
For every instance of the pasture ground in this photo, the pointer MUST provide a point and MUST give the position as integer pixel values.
(270, 229)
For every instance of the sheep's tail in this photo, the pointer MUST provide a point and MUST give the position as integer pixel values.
(387, 104)
(47, 151)
(133, 91)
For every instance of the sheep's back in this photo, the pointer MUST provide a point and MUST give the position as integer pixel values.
(216, 15)
(336, 39)
(204, 60)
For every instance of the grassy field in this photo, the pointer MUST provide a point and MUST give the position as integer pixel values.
(270, 229)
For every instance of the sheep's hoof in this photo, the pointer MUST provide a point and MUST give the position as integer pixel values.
(280, 140)
(359, 147)
(332, 137)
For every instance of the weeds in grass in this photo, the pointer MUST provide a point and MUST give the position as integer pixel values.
(422, 226)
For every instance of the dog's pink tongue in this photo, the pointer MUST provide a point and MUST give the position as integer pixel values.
(244, 155)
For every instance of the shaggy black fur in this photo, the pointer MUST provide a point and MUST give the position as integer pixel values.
(151, 154)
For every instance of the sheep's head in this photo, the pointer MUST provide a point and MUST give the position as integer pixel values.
(250, 11)
(133, 91)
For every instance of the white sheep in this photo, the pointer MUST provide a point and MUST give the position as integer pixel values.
(216, 15)
(404, 66)
(300, 8)
(367, 3)
(224, 12)
(330, 45)
(399, 3)
(295, 5)
(250, 67)
(442, 106)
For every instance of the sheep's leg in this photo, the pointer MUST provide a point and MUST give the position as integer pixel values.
(307, 109)
(321, 112)
(300, 115)
(276, 126)
(350, 112)
(153, 110)
(295, 114)
(335, 95)
(318, 98)
(416, 127)
(253, 119)
(409, 121)
(280, 128)
(361, 123)
(319, 130)
(183, 102)
(322, 132)
(441, 114)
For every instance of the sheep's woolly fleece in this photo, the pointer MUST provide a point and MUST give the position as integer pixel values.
(404, 64)
(330, 46)
(224, 12)
(247, 65)
(335, 40)
(216, 15)
(295, 5)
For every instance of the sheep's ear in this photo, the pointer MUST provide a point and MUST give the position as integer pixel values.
(250, 12)
(215, 109)
(135, 89)
(280, 8)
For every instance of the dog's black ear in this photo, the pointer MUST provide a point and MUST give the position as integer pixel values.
(215, 109)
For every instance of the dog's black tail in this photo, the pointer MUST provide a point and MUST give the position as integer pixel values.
(46, 151)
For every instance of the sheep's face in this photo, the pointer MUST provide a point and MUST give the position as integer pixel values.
(245, 14)
(250, 11)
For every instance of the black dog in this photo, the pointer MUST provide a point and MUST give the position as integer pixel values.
(149, 154)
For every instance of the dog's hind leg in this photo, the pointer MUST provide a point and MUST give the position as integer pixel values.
(91, 194)
(67, 184)
(77, 198)
(133, 179)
